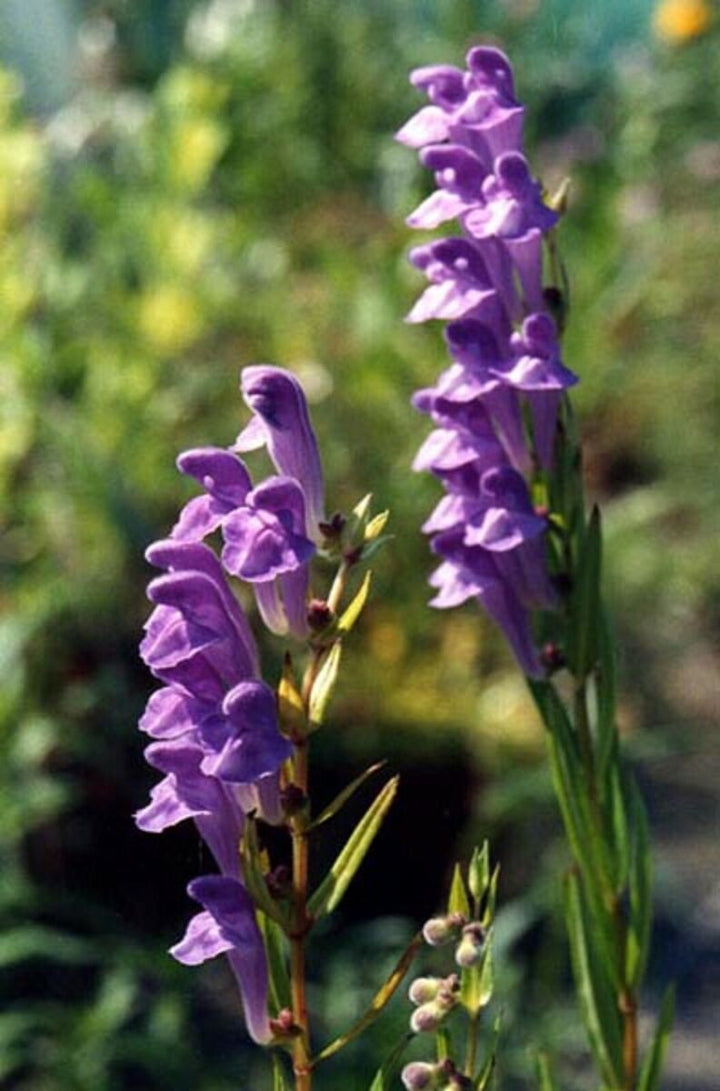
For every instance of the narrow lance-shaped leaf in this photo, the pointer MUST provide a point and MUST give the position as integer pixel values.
(640, 886)
(585, 621)
(277, 962)
(342, 797)
(485, 1075)
(597, 1000)
(291, 713)
(254, 877)
(324, 685)
(621, 840)
(605, 690)
(379, 1001)
(328, 895)
(491, 898)
(652, 1065)
(353, 611)
(458, 901)
(544, 1073)
(280, 1082)
(386, 1075)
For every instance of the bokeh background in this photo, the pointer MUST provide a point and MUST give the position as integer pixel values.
(186, 187)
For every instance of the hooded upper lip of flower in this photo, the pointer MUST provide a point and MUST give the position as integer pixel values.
(281, 422)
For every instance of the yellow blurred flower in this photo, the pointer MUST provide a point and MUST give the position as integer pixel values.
(169, 318)
(196, 145)
(679, 20)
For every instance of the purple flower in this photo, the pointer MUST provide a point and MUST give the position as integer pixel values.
(215, 738)
(228, 926)
(282, 424)
(495, 408)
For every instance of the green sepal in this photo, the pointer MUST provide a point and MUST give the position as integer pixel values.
(544, 1074)
(254, 876)
(652, 1065)
(342, 797)
(328, 895)
(280, 1082)
(476, 982)
(640, 890)
(377, 1004)
(583, 632)
(386, 1075)
(375, 546)
(597, 998)
(353, 611)
(323, 686)
(479, 873)
(485, 1075)
(458, 900)
(278, 979)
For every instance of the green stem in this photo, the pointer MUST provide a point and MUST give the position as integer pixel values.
(300, 928)
(472, 1043)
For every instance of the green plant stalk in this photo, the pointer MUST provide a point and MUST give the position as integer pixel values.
(472, 1044)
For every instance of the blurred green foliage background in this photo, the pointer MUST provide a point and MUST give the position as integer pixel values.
(188, 187)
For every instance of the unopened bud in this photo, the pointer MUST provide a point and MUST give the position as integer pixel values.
(420, 1076)
(424, 989)
(279, 881)
(552, 657)
(440, 930)
(427, 1018)
(469, 951)
(319, 615)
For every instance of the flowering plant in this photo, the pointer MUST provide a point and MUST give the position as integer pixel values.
(511, 531)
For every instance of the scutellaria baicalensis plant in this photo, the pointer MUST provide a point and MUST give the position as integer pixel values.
(511, 529)
(511, 532)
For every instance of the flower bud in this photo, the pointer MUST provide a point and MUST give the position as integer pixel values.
(420, 1076)
(439, 930)
(428, 1017)
(424, 989)
(469, 951)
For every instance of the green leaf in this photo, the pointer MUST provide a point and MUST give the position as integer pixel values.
(353, 611)
(621, 840)
(443, 1043)
(290, 704)
(341, 799)
(328, 895)
(483, 1080)
(479, 872)
(378, 1002)
(605, 683)
(583, 634)
(640, 888)
(458, 901)
(254, 876)
(277, 962)
(544, 1073)
(594, 987)
(476, 982)
(324, 685)
(280, 1082)
(652, 1065)
(376, 526)
(583, 836)
(386, 1075)
(489, 908)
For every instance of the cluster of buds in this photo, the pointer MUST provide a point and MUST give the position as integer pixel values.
(471, 937)
(443, 1076)
(495, 408)
(435, 998)
(214, 722)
